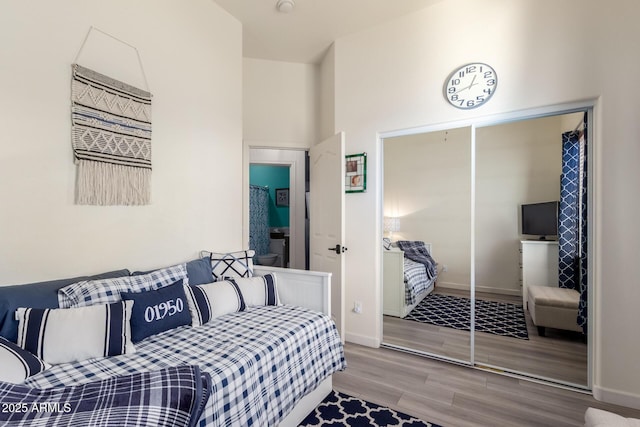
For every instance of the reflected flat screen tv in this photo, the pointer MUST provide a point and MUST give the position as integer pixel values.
(540, 219)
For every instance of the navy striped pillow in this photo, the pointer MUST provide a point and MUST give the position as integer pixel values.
(258, 290)
(17, 364)
(212, 300)
(97, 331)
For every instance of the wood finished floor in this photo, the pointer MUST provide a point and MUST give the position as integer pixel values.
(560, 355)
(457, 396)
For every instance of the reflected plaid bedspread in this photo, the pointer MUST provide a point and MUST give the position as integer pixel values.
(170, 397)
(416, 281)
(261, 362)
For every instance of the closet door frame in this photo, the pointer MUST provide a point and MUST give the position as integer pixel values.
(591, 107)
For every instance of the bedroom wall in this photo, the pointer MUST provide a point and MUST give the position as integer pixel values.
(546, 53)
(192, 58)
(280, 103)
(427, 184)
(516, 163)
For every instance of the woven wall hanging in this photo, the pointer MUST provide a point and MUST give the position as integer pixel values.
(111, 139)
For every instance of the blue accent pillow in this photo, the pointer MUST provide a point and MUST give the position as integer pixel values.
(158, 311)
(36, 295)
(200, 271)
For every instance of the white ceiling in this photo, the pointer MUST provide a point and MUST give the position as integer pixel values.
(304, 34)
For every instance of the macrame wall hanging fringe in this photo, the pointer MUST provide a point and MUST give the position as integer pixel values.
(111, 139)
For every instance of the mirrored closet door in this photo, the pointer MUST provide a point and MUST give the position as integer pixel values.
(464, 188)
(427, 189)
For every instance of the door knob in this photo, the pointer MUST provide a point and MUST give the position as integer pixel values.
(338, 249)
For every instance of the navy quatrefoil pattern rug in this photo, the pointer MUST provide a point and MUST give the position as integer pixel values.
(339, 409)
(493, 317)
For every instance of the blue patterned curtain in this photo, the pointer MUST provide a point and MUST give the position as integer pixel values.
(259, 219)
(572, 229)
(582, 309)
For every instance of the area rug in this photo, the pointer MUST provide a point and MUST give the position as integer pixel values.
(493, 317)
(339, 409)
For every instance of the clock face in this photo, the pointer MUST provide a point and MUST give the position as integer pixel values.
(471, 85)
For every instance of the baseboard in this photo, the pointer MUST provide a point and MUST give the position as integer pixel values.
(487, 289)
(367, 341)
(616, 397)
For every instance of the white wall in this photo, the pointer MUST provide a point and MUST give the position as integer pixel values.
(327, 94)
(427, 184)
(516, 163)
(281, 104)
(192, 57)
(545, 53)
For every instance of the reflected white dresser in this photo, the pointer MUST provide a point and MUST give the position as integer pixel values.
(538, 265)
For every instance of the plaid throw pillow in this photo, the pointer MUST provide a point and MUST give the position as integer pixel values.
(107, 291)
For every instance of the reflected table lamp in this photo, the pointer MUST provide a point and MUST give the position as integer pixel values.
(391, 225)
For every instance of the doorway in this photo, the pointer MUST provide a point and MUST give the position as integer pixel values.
(510, 162)
(283, 170)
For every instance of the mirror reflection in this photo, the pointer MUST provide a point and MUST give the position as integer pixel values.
(528, 273)
(427, 188)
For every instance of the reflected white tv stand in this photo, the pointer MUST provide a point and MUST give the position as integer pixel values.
(538, 265)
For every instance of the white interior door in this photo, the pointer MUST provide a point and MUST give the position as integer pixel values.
(326, 218)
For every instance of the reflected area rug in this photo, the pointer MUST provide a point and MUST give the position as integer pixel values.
(493, 317)
(339, 409)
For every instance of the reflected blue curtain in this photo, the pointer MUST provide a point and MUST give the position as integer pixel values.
(582, 309)
(259, 219)
(572, 218)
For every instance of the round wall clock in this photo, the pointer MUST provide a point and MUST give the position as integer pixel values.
(471, 85)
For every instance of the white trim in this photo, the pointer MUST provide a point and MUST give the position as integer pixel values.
(362, 339)
(495, 119)
(616, 397)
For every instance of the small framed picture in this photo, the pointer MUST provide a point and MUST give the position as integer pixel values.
(355, 180)
(282, 197)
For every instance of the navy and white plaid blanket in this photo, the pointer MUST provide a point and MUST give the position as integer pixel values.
(261, 361)
(416, 280)
(417, 251)
(169, 397)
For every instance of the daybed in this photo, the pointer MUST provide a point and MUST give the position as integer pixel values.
(408, 277)
(262, 364)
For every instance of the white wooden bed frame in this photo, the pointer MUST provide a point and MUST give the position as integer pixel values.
(394, 286)
(310, 289)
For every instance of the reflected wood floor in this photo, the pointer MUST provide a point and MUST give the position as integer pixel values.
(457, 396)
(560, 355)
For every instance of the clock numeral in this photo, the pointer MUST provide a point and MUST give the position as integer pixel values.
(455, 81)
(471, 103)
(471, 69)
(461, 74)
(451, 90)
(491, 82)
(480, 98)
(487, 91)
(454, 97)
(488, 74)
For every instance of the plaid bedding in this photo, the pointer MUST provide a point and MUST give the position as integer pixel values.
(261, 361)
(415, 279)
(416, 251)
(171, 397)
